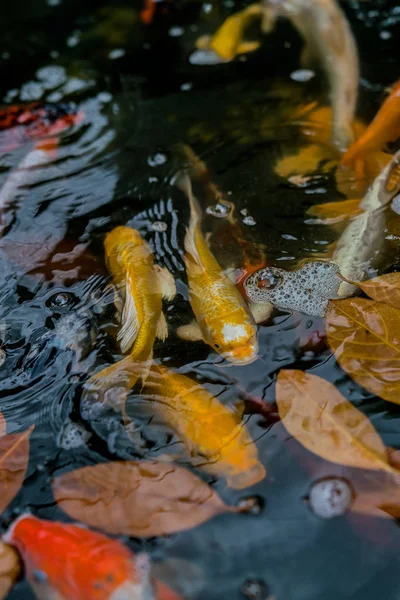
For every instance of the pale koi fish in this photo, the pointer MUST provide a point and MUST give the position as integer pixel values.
(140, 285)
(215, 435)
(66, 561)
(329, 42)
(223, 319)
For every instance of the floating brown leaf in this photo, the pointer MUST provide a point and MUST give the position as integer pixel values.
(365, 337)
(10, 568)
(325, 423)
(143, 499)
(385, 288)
(14, 456)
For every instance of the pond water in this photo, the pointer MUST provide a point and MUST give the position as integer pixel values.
(139, 95)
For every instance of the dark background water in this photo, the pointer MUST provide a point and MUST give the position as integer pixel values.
(140, 95)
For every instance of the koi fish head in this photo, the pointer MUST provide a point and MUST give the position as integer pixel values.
(71, 561)
(235, 337)
(122, 236)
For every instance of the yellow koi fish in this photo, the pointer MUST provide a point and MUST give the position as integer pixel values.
(223, 319)
(210, 430)
(140, 285)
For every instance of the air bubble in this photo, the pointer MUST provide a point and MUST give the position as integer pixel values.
(330, 497)
(251, 505)
(249, 221)
(74, 435)
(219, 210)
(254, 589)
(156, 159)
(61, 300)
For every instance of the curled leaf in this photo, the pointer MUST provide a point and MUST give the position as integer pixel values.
(385, 288)
(10, 568)
(143, 499)
(14, 456)
(365, 337)
(324, 422)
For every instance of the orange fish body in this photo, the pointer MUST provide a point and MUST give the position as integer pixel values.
(211, 431)
(20, 124)
(224, 320)
(140, 285)
(69, 562)
(366, 155)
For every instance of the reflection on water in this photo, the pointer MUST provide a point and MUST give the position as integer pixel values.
(139, 96)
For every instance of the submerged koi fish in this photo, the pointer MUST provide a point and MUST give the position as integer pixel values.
(363, 236)
(140, 285)
(330, 42)
(18, 126)
(365, 156)
(228, 41)
(210, 430)
(223, 319)
(69, 562)
(21, 124)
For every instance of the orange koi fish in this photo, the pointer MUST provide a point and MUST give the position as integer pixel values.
(365, 156)
(215, 436)
(140, 286)
(19, 126)
(69, 562)
(149, 10)
(223, 319)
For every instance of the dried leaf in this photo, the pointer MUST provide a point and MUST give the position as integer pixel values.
(325, 423)
(365, 337)
(14, 456)
(10, 568)
(384, 289)
(143, 499)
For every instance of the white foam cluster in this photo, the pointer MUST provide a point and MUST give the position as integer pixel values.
(306, 290)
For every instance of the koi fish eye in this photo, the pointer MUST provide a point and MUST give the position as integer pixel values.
(217, 346)
(220, 210)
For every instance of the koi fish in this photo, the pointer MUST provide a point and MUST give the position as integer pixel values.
(149, 10)
(20, 125)
(140, 286)
(330, 42)
(69, 562)
(223, 319)
(362, 238)
(365, 156)
(210, 430)
(227, 42)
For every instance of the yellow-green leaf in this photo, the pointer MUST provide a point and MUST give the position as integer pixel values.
(365, 337)
(324, 422)
(385, 288)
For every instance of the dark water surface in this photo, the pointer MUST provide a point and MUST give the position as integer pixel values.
(140, 95)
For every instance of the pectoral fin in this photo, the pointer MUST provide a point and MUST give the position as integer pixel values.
(261, 312)
(191, 332)
(162, 328)
(166, 282)
(130, 322)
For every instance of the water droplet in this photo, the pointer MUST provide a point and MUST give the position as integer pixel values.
(302, 75)
(385, 35)
(251, 505)
(186, 87)
(61, 300)
(205, 57)
(156, 159)
(330, 497)
(254, 589)
(176, 31)
(287, 236)
(159, 226)
(219, 210)
(250, 221)
(117, 53)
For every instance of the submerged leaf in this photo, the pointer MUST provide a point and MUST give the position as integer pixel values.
(365, 337)
(143, 499)
(14, 456)
(324, 422)
(10, 568)
(385, 288)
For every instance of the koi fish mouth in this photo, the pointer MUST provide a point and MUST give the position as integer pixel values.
(244, 355)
